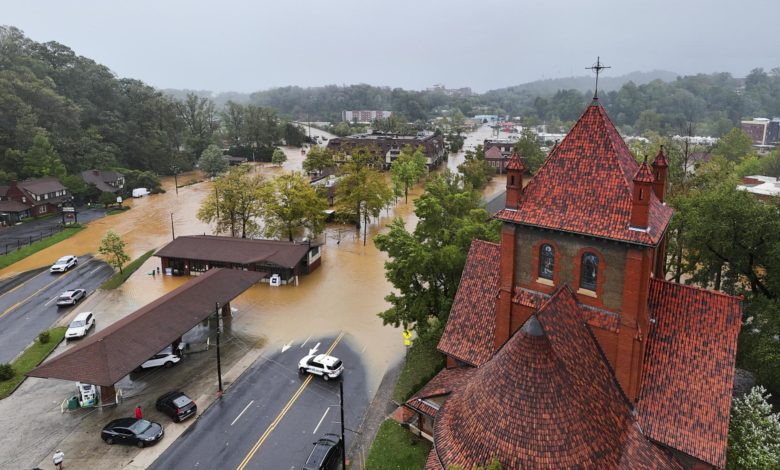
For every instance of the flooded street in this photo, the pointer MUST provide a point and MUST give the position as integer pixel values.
(346, 293)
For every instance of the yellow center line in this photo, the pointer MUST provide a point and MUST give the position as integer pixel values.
(38, 291)
(284, 411)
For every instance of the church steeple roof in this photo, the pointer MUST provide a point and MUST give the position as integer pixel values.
(515, 163)
(586, 184)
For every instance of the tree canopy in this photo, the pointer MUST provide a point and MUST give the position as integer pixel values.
(212, 162)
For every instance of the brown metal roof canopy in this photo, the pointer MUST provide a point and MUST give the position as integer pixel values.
(235, 250)
(110, 354)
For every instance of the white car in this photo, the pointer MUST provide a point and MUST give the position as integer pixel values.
(80, 325)
(165, 358)
(63, 264)
(70, 297)
(328, 367)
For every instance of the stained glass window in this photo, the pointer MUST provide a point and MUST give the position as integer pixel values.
(589, 271)
(546, 261)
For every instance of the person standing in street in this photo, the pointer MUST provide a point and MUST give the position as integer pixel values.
(59, 456)
(138, 413)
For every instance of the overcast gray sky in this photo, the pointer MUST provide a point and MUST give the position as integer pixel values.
(244, 45)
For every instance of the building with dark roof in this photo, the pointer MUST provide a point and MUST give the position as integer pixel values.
(31, 198)
(387, 146)
(194, 255)
(565, 347)
(107, 181)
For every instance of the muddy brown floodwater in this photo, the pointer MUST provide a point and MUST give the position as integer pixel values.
(345, 293)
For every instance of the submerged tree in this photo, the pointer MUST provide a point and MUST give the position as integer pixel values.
(235, 202)
(212, 162)
(291, 206)
(407, 169)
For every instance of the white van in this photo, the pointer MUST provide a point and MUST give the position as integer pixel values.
(140, 192)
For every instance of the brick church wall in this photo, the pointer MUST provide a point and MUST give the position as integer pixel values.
(570, 247)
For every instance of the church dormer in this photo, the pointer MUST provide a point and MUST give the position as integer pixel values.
(640, 201)
(514, 181)
(660, 166)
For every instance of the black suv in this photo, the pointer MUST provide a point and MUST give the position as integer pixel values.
(326, 454)
(177, 405)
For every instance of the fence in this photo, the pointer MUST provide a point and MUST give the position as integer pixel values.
(10, 246)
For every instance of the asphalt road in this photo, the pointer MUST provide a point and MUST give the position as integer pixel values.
(42, 227)
(29, 307)
(272, 416)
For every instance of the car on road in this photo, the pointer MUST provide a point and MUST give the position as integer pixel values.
(80, 325)
(326, 454)
(132, 431)
(328, 367)
(177, 405)
(165, 358)
(70, 297)
(63, 264)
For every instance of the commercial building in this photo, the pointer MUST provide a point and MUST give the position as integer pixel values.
(194, 255)
(764, 132)
(387, 146)
(364, 116)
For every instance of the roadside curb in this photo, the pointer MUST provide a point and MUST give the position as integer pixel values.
(377, 412)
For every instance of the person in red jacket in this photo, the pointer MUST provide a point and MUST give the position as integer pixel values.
(138, 414)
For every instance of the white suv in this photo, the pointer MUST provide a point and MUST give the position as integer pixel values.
(328, 367)
(63, 264)
(166, 358)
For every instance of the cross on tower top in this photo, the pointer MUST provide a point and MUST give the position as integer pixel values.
(597, 67)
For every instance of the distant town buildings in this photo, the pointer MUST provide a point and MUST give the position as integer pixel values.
(388, 146)
(364, 116)
(764, 187)
(764, 132)
(465, 91)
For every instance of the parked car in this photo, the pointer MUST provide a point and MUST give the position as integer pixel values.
(165, 358)
(326, 454)
(80, 325)
(177, 405)
(63, 264)
(70, 297)
(133, 431)
(328, 367)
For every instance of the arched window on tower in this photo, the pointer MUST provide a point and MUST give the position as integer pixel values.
(589, 271)
(546, 261)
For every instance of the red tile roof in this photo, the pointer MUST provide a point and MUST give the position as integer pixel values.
(585, 186)
(689, 372)
(444, 383)
(469, 333)
(547, 399)
(515, 163)
(643, 174)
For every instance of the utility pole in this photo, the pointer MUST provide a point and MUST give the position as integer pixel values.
(343, 442)
(173, 234)
(176, 179)
(219, 361)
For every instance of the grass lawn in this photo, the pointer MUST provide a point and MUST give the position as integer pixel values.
(422, 363)
(13, 257)
(30, 358)
(117, 279)
(396, 448)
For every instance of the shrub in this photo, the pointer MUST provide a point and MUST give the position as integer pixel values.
(6, 372)
(44, 337)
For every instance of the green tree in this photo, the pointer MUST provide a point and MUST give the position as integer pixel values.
(361, 192)
(107, 199)
(41, 159)
(407, 169)
(318, 159)
(754, 433)
(425, 265)
(293, 205)
(113, 247)
(475, 170)
(199, 117)
(278, 158)
(734, 145)
(212, 162)
(235, 203)
(529, 150)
